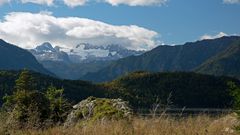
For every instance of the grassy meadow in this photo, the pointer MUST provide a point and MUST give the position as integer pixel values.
(197, 125)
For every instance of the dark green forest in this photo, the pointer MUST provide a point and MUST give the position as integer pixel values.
(74, 90)
(140, 89)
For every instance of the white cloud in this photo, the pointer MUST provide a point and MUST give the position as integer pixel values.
(42, 2)
(74, 3)
(231, 1)
(220, 34)
(136, 2)
(28, 30)
(4, 1)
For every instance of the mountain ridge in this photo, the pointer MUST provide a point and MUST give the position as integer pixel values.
(15, 58)
(81, 59)
(165, 58)
(226, 62)
(81, 53)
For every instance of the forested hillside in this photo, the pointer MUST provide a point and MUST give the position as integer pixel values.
(182, 89)
(140, 89)
(74, 90)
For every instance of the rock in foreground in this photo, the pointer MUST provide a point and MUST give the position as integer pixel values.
(93, 109)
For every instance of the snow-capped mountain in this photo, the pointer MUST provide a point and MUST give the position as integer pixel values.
(46, 52)
(82, 52)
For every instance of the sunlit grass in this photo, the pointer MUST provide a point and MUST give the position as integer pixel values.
(199, 125)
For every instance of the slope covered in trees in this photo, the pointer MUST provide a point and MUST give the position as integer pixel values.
(74, 90)
(140, 89)
(179, 89)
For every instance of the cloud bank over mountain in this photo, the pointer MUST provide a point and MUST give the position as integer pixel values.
(30, 29)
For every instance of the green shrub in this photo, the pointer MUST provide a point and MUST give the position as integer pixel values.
(28, 108)
(235, 92)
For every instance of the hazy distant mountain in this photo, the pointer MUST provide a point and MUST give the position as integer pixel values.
(185, 57)
(73, 71)
(15, 58)
(224, 63)
(72, 63)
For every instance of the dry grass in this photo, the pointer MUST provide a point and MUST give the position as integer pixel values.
(201, 125)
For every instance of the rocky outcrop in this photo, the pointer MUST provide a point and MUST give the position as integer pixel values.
(93, 109)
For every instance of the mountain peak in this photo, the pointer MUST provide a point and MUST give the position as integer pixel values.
(47, 44)
(46, 47)
(46, 52)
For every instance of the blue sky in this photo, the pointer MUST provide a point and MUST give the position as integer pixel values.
(174, 21)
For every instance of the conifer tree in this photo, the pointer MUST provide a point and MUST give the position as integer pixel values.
(25, 81)
(26, 107)
(59, 106)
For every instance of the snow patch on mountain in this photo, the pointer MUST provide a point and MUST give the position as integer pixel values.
(46, 52)
(83, 52)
